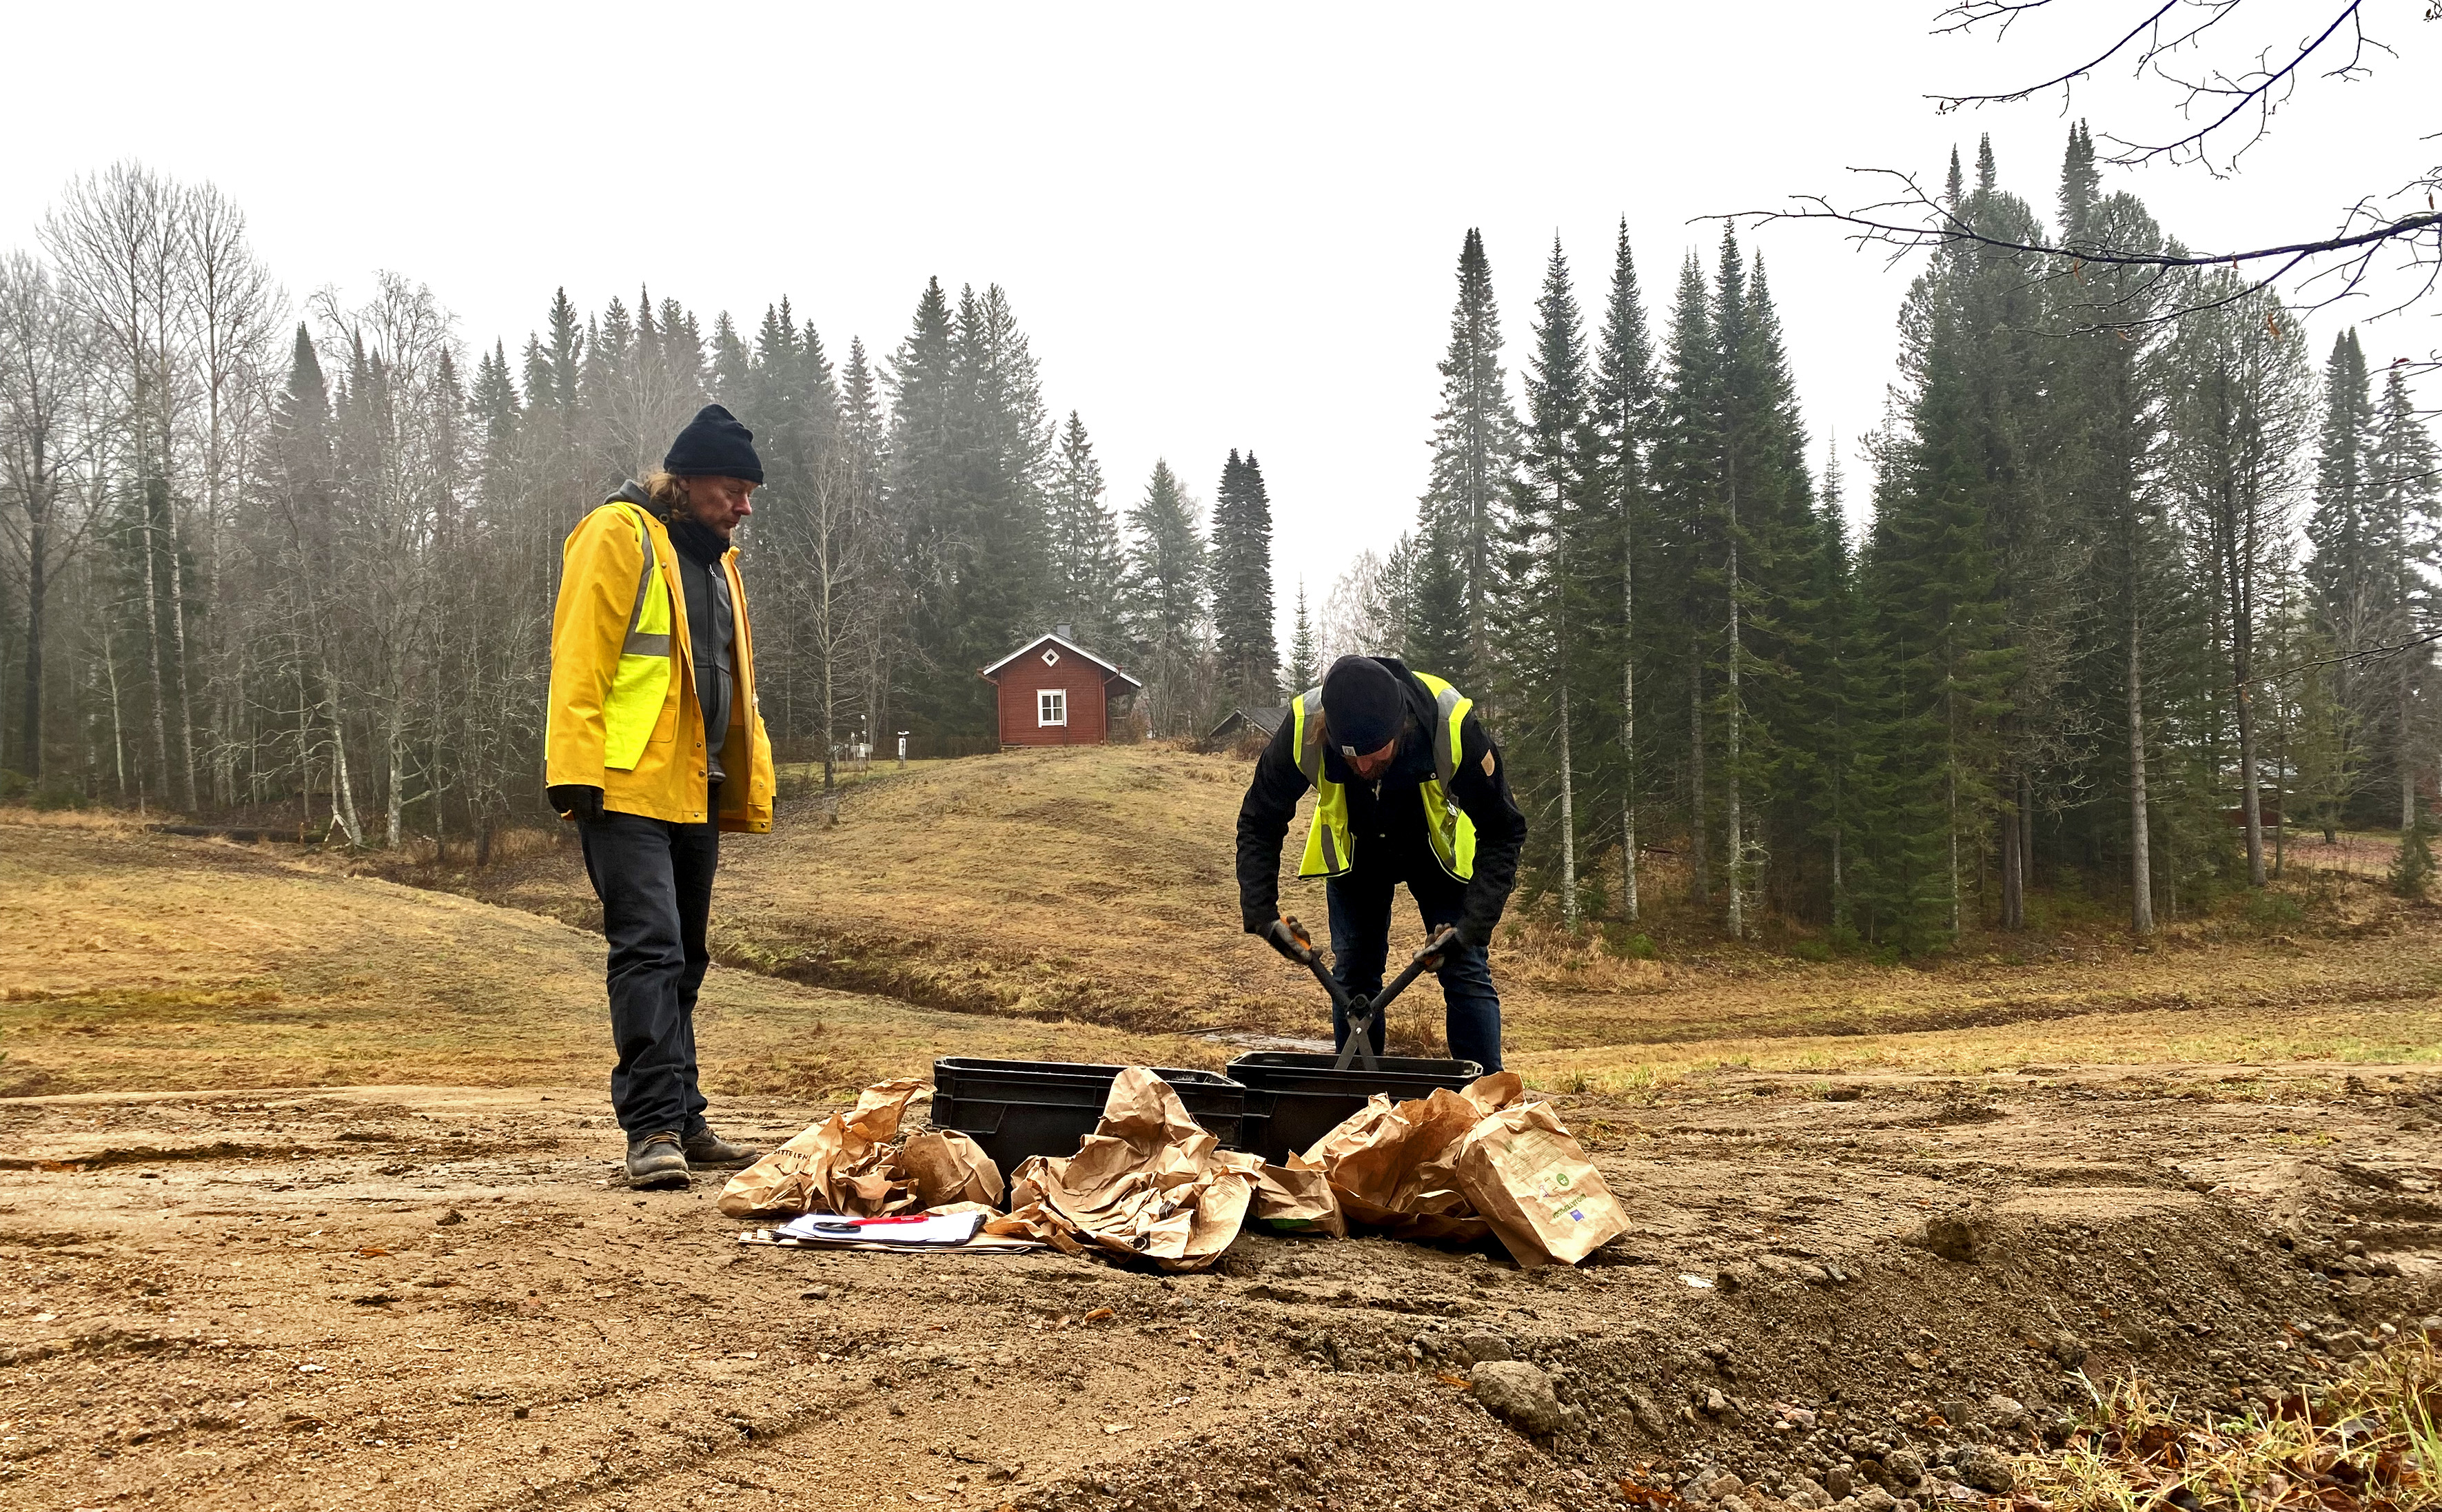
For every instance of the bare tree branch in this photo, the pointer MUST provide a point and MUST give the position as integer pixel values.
(1970, 15)
(2378, 237)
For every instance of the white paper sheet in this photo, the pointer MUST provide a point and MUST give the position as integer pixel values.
(938, 1229)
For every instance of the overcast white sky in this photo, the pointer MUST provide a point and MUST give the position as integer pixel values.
(1228, 227)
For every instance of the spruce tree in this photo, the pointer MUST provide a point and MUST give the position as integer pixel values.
(2406, 483)
(300, 483)
(921, 498)
(1767, 503)
(1475, 442)
(1167, 574)
(1996, 296)
(1303, 672)
(542, 384)
(1242, 586)
(1624, 420)
(1686, 549)
(1001, 440)
(1732, 420)
(565, 353)
(861, 401)
(2354, 572)
(1939, 662)
(495, 406)
(2081, 186)
(1434, 574)
(2107, 403)
(1545, 610)
(1086, 563)
(1824, 685)
(864, 440)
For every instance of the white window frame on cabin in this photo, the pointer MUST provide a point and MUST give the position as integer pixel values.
(1050, 708)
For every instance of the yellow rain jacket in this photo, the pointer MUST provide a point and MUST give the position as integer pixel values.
(623, 707)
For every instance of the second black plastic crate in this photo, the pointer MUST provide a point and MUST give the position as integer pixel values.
(1293, 1099)
(1018, 1108)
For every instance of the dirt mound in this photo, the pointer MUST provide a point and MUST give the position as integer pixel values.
(435, 1297)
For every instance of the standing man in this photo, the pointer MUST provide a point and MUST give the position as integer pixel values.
(655, 746)
(1408, 787)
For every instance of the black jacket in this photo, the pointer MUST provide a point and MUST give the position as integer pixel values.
(712, 625)
(1387, 817)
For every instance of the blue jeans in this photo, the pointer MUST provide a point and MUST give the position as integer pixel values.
(1360, 943)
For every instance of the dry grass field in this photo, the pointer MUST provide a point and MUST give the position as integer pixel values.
(1094, 886)
(133, 961)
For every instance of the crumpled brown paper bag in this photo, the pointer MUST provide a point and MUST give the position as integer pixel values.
(946, 1167)
(1532, 1182)
(834, 1166)
(1461, 1165)
(1297, 1198)
(1393, 1165)
(1147, 1182)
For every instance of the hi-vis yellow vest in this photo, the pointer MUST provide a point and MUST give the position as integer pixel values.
(642, 683)
(1330, 849)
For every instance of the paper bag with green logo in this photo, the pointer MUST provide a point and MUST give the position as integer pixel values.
(1524, 1175)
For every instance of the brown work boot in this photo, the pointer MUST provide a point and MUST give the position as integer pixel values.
(656, 1161)
(709, 1150)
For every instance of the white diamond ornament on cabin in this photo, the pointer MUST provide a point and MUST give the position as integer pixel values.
(1050, 656)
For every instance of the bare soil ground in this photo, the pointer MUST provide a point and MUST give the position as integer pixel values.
(438, 1297)
(308, 1196)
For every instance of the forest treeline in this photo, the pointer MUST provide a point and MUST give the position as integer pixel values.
(306, 567)
(2138, 586)
(2139, 583)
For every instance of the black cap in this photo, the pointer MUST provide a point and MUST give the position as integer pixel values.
(714, 445)
(1363, 705)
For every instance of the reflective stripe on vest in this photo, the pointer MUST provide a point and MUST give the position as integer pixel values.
(1330, 848)
(641, 685)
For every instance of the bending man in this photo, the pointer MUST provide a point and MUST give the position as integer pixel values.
(1410, 788)
(655, 746)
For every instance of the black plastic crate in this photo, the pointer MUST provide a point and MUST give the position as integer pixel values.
(1293, 1099)
(1017, 1108)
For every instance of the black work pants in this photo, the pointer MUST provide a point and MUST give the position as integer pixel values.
(655, 881)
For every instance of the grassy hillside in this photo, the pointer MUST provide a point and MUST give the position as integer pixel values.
(1095, 886)
(133, 961)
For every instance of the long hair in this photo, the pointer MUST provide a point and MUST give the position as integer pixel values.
(668, 493)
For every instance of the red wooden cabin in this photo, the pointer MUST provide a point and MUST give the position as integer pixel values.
(1055, 692)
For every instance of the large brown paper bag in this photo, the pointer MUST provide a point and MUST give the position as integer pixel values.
(1393, 1165)
(828, 1168)
(1147, 1182)
(1520, 1170)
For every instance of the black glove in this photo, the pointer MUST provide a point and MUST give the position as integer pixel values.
(576, 800)
(1475, 932)
(1281, 934)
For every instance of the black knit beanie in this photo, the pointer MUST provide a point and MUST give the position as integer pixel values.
(714, 445)
(1363, 705)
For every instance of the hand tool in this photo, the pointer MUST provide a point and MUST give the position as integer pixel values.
(1290, 938)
